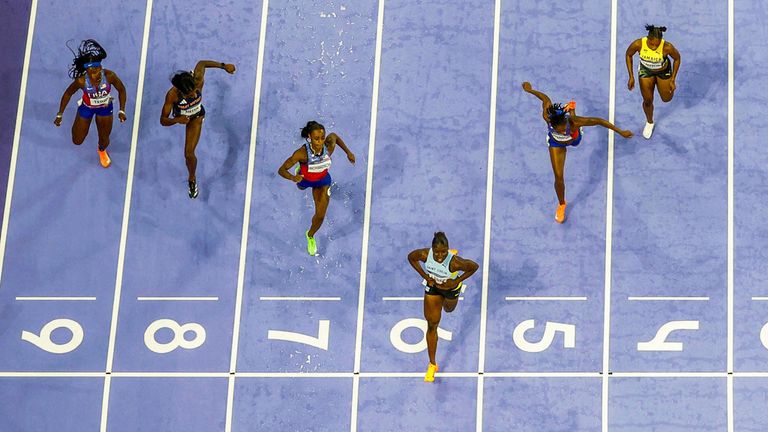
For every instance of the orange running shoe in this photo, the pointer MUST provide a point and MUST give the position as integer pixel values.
(560, 213)
(430, 376)
(104, 159)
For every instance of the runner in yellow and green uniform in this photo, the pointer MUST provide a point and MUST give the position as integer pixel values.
(655, 70)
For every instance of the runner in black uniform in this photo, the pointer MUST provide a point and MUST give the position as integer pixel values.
(185, 100)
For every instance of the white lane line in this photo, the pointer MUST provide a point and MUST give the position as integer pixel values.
(609, 218)
(759, 298)
(193, 298)
(488, 212)
(40, 374)
(730, 223)
(417, 375)
(542, 374)
(407, 298)
(567, 298)
(126, 216)
(300, 298)
(17, 133)
(44, 298)
(669, 374)
(246, 216)
(674, 298)
(367, 214)
(129, 187)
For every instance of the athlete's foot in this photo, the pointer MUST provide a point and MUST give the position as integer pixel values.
(560, 213)
(193, 189)
(430, 376)
(648, 130)
(104, 158)
(311, 244)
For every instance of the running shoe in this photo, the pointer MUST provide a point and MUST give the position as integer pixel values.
(560, 213)
(648, 130)
(104, 158)
(311, 244)
(430, 376)
(193, 189)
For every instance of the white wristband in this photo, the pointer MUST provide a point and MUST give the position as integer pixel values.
(121, 112)
(58, 115)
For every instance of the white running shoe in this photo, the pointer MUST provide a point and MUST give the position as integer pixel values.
(648, 130)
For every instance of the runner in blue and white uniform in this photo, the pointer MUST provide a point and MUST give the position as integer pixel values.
(443, 284)
(564, 129)
(314, 160)
(96, 84)
(185, 101)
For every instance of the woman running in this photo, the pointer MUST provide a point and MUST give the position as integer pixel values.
(314, 159)
(95, 83)
(655, 71)
(185, 101)
(443, 284)
(565, 130)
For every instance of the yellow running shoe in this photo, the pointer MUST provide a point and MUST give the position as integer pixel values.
(430, 376)
(311, 244)
(104, 159)
(560, 213)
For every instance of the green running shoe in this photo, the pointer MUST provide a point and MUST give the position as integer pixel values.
(311, 245)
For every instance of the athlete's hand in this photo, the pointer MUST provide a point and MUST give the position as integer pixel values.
(527, 86)
(351, 157)
(122, 117)
(631, 83)
(626, 133)
(229, 68)
(297, 178)
(57, 120)
(672, 85)
(431, 282)
(182, 119)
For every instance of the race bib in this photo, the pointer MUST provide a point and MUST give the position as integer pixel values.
(655, 65)
(320, 166)
(192, 110)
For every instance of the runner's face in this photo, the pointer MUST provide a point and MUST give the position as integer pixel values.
(653, 42)
(94, 73)
(316, 140)
(440, 253)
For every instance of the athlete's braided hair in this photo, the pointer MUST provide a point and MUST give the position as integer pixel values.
(184, 81)
(311, 127)
(556, 113)
(439, 239)
(89, 51)
(654, 31)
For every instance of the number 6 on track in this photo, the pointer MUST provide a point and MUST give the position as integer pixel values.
(44, 342)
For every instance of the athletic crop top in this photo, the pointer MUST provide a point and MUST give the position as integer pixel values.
(97, 96)
(653, 59)
(317, 165)
(189, 106)
(440, 272)
(568, 136)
